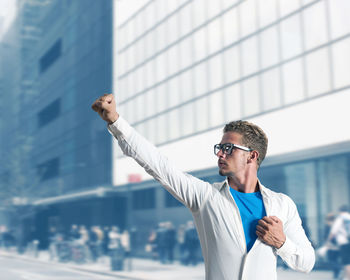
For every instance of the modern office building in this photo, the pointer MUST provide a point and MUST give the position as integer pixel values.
(71, 65)
(65, 51)
(185, 68)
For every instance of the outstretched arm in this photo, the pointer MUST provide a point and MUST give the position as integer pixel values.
(189, 190)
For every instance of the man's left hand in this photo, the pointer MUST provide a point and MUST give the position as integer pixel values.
(270, 231)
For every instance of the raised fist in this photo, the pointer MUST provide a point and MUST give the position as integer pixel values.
(105, 106)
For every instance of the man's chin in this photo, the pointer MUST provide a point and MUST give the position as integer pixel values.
(225, 173)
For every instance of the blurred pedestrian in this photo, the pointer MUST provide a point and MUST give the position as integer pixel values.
(105, 240)
(100, 236)
(83, 235)
(58, 247)
(191, 244)
(170, 241)
(161, 241)
(84, 242)
(340, 231)
(116, 249)
(151, 246)
(332, 254)
(93, 243)
(54, 239)
(7, 237)
(181, 242)
(114, 238)
(74, 234)
(125, 242)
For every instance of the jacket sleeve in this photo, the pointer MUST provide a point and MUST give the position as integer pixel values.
(297, 251)
(187, 189)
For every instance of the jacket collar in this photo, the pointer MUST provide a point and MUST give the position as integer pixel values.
(264, 191)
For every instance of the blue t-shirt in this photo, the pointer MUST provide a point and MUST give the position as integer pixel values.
(252, 209)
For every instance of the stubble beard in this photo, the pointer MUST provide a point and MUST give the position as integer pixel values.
(227, 173)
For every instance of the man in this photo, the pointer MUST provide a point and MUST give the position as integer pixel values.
(226, 213)
(340, 232)
(161, 242)
(191, 244)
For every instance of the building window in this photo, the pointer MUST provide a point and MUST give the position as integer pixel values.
(48, 169)
(50, 56)
(318, 72)
(271, 89)
(143, 199)
(293, 81)
(49, 113)
(341, 56)
(291, 37)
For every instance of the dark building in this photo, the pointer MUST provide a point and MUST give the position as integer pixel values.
(65, 62)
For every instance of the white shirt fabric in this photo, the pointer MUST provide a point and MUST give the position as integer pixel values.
(217, 217)
(339, 228)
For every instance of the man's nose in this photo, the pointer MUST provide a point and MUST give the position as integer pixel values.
(221, 154)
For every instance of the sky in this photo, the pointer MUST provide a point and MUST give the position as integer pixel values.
(7, 12)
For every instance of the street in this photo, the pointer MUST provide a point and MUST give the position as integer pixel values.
(17, 269)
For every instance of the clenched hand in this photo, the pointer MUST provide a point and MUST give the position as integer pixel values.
(270, 231)
(105, 106)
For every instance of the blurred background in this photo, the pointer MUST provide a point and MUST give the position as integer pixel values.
(180, 70)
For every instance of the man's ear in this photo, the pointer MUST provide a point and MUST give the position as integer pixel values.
(254, 155)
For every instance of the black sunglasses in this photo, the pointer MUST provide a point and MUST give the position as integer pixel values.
(227, 148)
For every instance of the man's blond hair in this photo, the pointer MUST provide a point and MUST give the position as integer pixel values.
(253, 137)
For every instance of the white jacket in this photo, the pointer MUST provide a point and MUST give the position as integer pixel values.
(217, 217)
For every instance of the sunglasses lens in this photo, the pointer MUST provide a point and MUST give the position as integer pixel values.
(216, 149)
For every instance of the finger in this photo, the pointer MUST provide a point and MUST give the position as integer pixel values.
(102, 98)
(100, 104)
(263, 224)
(268, 220)
(96, 106)
(275, 219)
(260, 235)
(100, 112)
(109, 98)
(260, 229)
(106, 98)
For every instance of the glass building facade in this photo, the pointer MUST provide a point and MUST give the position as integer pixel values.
(184, 68)
(196, 64)
(66, 62)
(74, 65)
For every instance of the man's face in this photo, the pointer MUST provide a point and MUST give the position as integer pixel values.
(235, 163)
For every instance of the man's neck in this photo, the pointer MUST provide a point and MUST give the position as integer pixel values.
(245, 185)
